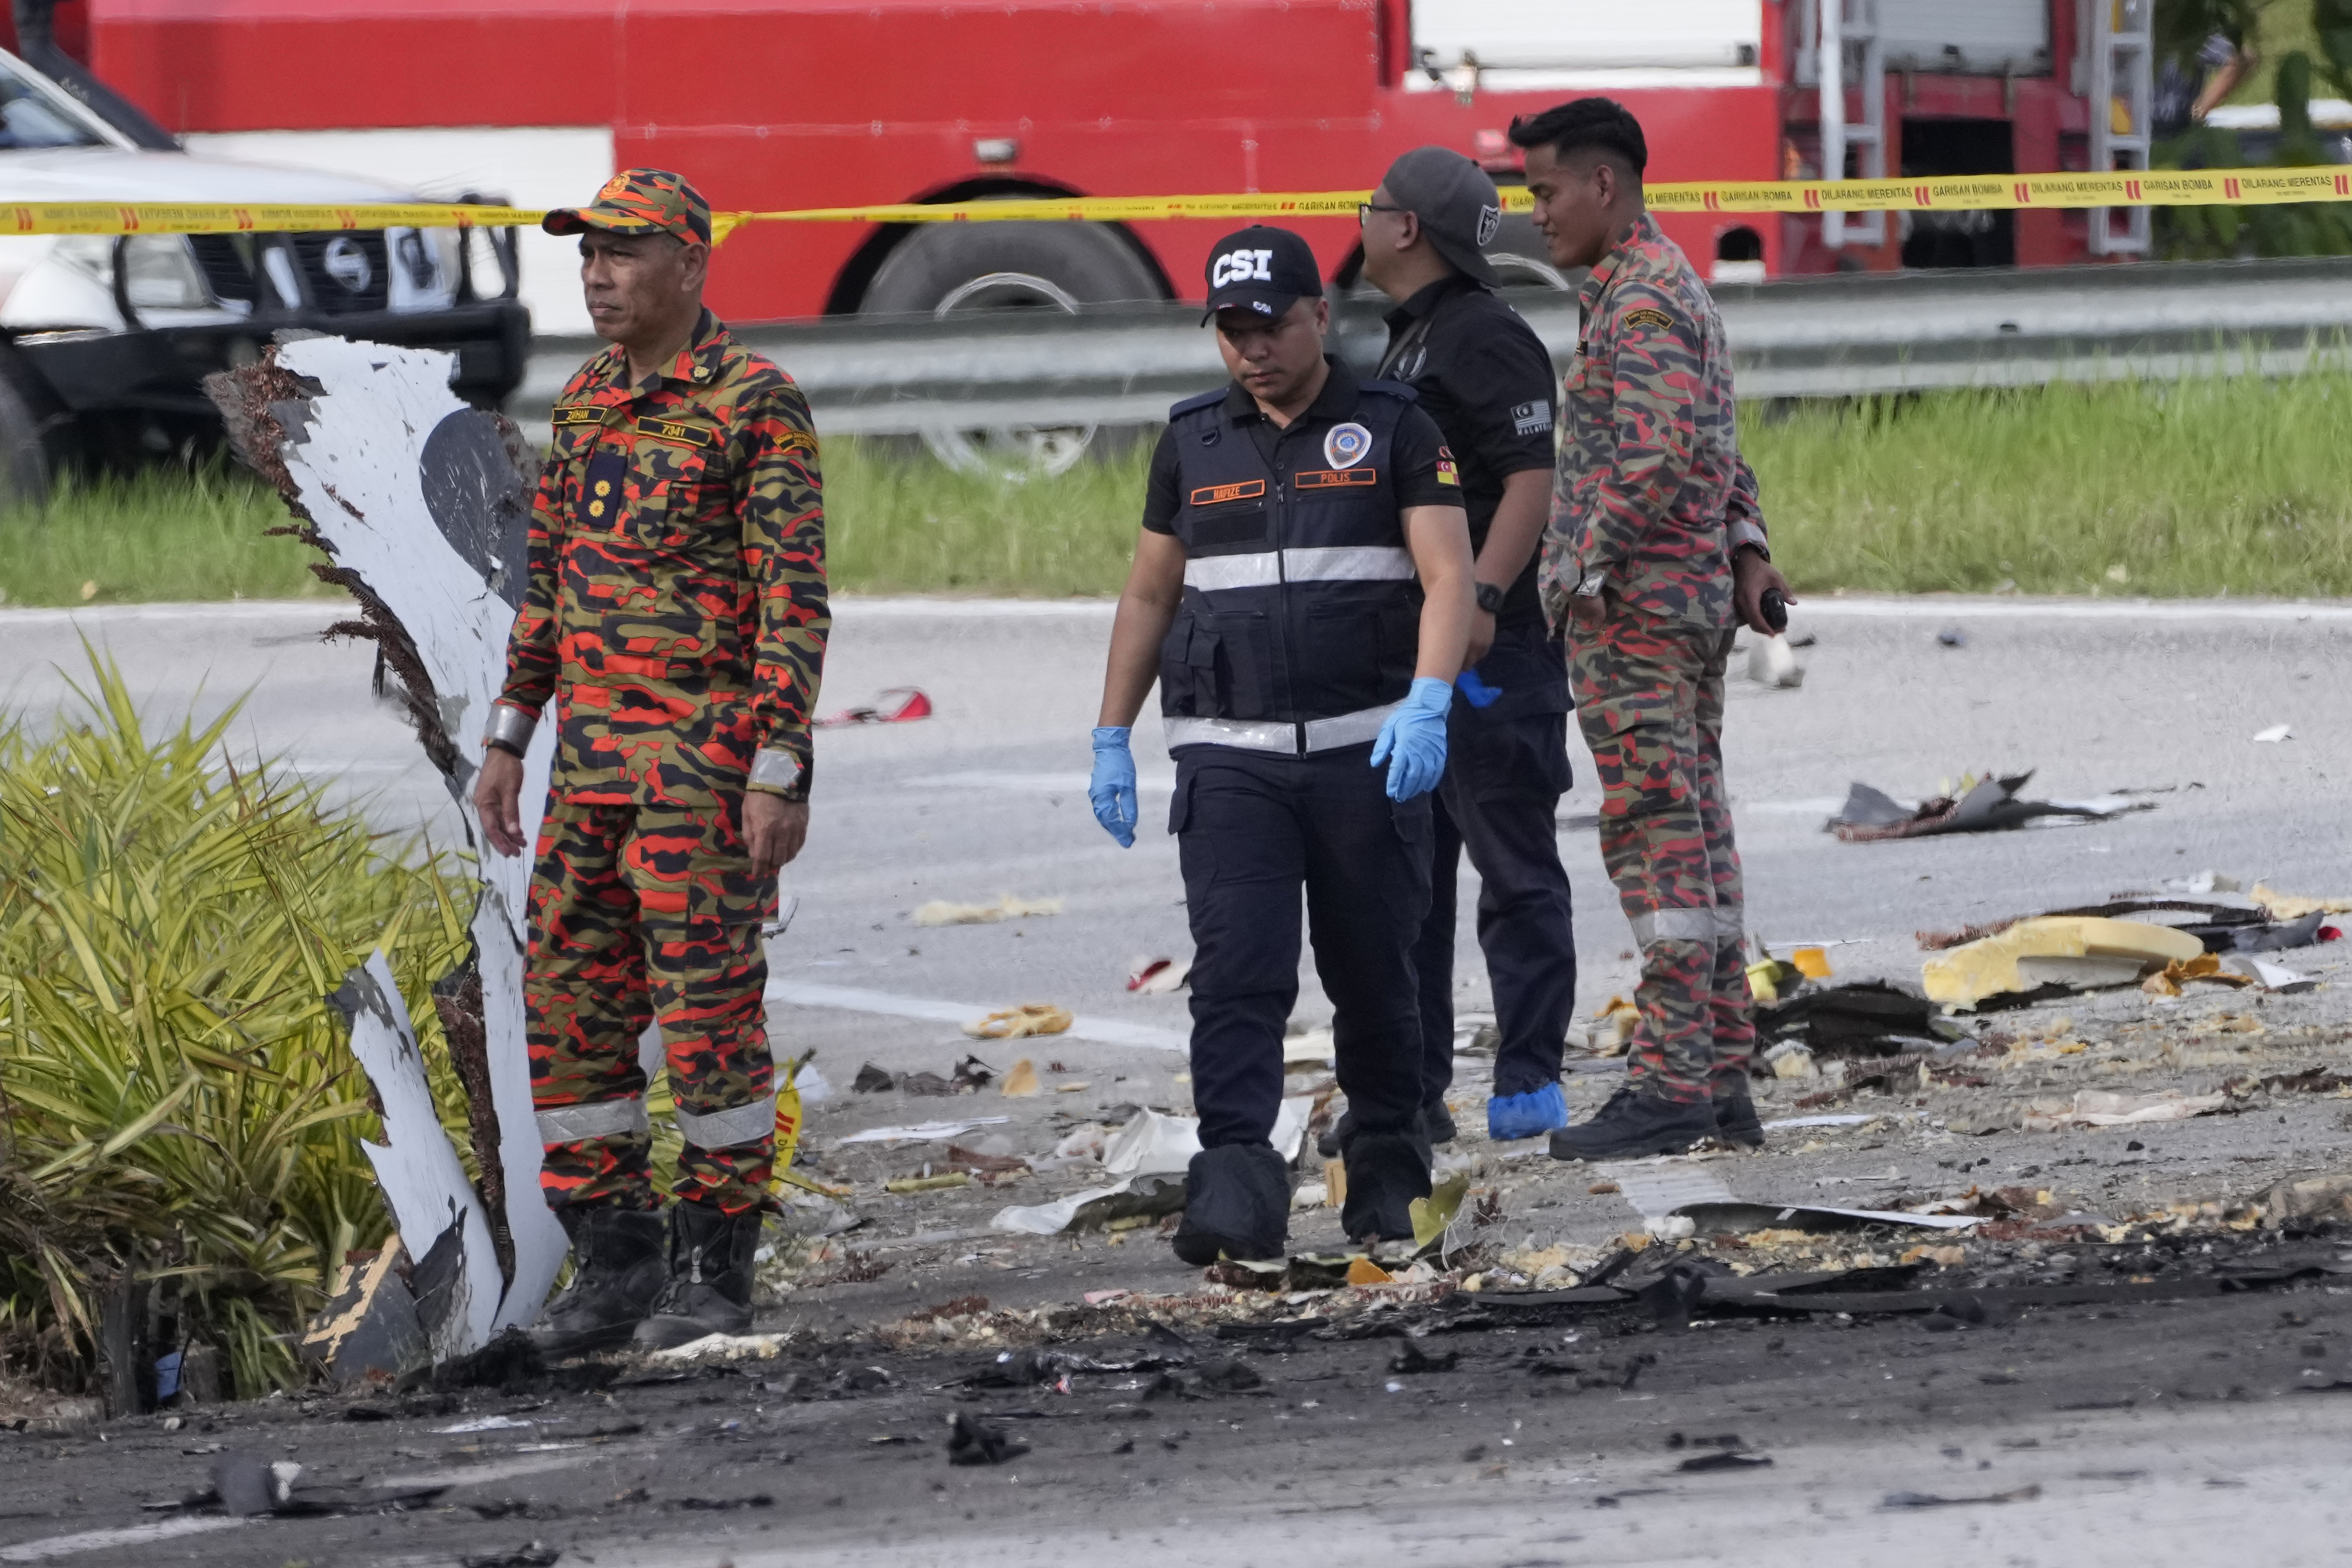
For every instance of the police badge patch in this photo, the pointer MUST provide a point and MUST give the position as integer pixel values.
(1490, 220)
(1346, 444)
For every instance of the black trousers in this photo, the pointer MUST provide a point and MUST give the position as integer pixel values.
(1253, 831)
(1504, 778)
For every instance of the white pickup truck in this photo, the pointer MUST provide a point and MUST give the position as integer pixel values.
(104, 341)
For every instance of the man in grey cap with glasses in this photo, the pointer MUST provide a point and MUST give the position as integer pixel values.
(1483, 375)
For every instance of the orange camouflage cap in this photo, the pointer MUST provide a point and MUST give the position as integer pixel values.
(639, 201)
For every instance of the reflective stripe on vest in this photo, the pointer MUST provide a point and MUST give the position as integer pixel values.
(1331, 563)
(1283, 740)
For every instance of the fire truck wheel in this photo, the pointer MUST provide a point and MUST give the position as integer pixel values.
(944, 267)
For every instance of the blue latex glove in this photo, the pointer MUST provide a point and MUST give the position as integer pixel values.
(1413, 741)
(1112, 788)
(1476, 692)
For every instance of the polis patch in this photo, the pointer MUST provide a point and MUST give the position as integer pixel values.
(1334, 478)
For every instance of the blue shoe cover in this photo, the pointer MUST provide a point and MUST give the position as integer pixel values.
(1510, 1117)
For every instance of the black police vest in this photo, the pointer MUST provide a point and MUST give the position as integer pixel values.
(1300, 599)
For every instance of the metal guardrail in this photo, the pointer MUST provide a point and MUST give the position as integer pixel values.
(1829, 337)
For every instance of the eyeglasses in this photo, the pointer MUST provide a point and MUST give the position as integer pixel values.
(1366, 209)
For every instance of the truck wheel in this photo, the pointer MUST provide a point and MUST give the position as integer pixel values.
(24, 460)
(945, 269)
(1521, 257)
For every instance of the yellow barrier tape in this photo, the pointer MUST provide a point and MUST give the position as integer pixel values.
(2161, 188)
(215, 219)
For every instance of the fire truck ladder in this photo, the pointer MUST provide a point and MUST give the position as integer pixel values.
(1846, 50)
(2122, 83)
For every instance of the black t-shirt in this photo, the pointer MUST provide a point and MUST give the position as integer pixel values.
(1418, 447)
(1484, 376)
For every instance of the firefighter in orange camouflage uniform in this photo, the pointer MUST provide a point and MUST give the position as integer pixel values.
(676, 618)
(1655, 547)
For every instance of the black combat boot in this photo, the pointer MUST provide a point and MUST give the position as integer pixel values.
(1386, 1171)
(1436, 1126)
(709, 1289)
(1633, 1124)
(1236, 1202)
(617, 1271)
(1736, 1121)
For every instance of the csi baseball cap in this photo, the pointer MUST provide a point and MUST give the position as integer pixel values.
(1456, 202)
(639, 201)
(1262, 270)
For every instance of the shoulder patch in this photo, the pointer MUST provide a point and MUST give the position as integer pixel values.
(1648, 316)
(1390, 389)
(1192, 404)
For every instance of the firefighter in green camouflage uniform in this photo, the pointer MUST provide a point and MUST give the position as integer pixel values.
(1654, 548)
(675, 616)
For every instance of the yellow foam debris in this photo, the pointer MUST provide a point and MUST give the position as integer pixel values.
(1964, 975)
(1811, 962)
(1014, 1023)
(1021, 1081)
(2294, 906)
(1364, 1271)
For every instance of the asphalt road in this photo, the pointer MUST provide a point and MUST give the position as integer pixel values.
(988, 797)
(2156, 1434)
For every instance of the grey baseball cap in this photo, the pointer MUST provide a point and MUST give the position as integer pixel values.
(1456, 202)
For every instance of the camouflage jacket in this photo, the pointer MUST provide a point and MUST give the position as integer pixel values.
(676, 606)
(1652, 492)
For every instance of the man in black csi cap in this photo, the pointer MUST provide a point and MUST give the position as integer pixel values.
(1483, 375)
(1301, 594)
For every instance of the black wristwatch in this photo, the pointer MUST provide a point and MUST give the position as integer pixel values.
(1489, 597)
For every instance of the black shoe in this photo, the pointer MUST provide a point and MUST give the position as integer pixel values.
(1736, 1121)
(1237, 1203)
(1386, 1171)
(617, 1272)
(1436, 1126)
(1633, 1124)
(709, 1289)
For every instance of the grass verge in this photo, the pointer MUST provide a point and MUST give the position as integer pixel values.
(2235, 485)
(2226, 485)
(160, 535)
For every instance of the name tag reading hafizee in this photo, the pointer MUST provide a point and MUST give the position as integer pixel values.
(577, 414)
(673, 430)
(1334, 478)
(1214, 494)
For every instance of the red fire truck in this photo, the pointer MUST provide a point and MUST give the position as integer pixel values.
(774, 104)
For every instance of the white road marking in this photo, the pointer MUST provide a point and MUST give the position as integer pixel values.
(857, 607)
(2004, 607)
(129, 1535)
(493, 1470)
(855, 1000)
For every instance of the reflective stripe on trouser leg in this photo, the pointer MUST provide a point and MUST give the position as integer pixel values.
(1636, 679)
(1734, 1025)
(584, 1005)
(597, 1119)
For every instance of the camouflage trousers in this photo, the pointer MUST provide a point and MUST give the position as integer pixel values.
(1649, 697)
(642, 915)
